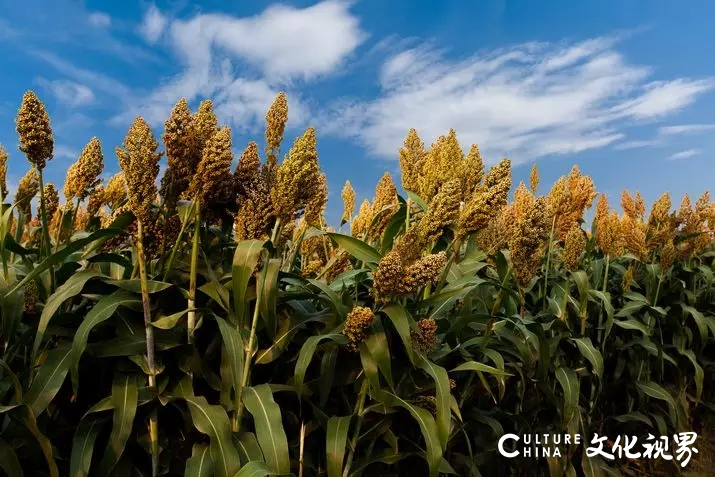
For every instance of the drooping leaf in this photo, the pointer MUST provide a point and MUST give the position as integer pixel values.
(245, 259)
(49, 379)
(255, 469)
(100, 312)
(125, 394)
(268, 294)
(306, 355)
(234, 350)
(336, 443)
(442, 395)
(213, 421)
(269, 427)
(83, 446)
(9, 461)
(356, 248)
(200, 463)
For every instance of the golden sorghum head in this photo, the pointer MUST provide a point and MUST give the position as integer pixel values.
(254, 217)
(472, 171)
(388, 276)
(452, 384)
(487, 201)
(608, 228)
(181, 155)
(32, 297)
(27, 189)
(495, 236)
(213, 175)
(428, 402)
(534, 179)
(348, 196)
(315, 207)
(52, 200)
(384, 205)
(362, 220)
(409, 245)
(668, 255)
(357, 324)
(627, 279)
(96, 200)
(412, 156)
(633, 236)
(660, 223)
(443, 211)
(425, 270)
(276, 120)
(140, 163)
(247, 170)
(498, 181)
(340, 264)
(692, 222)
(574, 245)
(205, 125)
(523, 200)
(83, 175)
(424, 339)
(529, 237)
(116, 191)
(297, 179)
(33, 127)
(3, 171)
(443, 162)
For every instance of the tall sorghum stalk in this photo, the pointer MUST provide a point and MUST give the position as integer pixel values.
(249, 350)
(549, 252)
(46, 244)
(191, 322)
(359, 411)
(603, 289)
(153, 419)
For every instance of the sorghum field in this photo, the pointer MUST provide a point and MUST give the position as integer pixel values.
(208, 322)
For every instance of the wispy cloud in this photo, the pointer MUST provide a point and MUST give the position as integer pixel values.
(99, 20)
(686, 154)
(685, 129)
(528, 101)
(68, 92)
(153, 24)
(242, 62)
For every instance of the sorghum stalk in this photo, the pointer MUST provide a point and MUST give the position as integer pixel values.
(153, 419)
(170, 262)
(548, 262)
(45, 230)
(605, 286)
(191, 321)
(238, 404)
(359, 408)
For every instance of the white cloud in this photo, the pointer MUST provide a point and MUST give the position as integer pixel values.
(153, 24)
(99, 20)
(686, 154)
(637, 144)
(685, 129)
(242, 62)
(65, 151)
(528, 101)
(68, 92)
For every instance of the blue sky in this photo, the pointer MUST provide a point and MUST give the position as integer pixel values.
(624, 89)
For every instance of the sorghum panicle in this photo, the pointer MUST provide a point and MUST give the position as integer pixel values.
(527, 243)
(140, 163)
(472, 171)
(276, 119)
(348, 196)
(534, 179)
(424, 339)
(27, 189)
(574, 246)
(33, 127)
(357, 324)
(52, 200)
(3, 171)
(443, 211)
(384, 205)
(412, 157)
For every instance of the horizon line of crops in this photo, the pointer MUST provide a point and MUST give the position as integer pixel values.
(211, 323)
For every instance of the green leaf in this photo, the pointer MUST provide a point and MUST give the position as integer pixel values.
(125, 396)
(306, 355)
(15, 381)
(255, 469)
(589, 352)
(83, 446)
(402, 321)
(356, 248)
(67, 290)
(377, 344)
(168, 322)
(8, 460)
(633, 325)
(417, 200)
(480, 367)
(234, 350)
(200, 463)
(245, 260)
(427, 426)
(49, 379)
(656, 391)
(248, 447)
(99, 313)
(571, 386)
(699, 373)
(213, 421)
(134, 286)
(268, 294)
(336, 443)
(700, 322)
(57, 258)
(442, 396)
(27, 418)
(269, 427)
